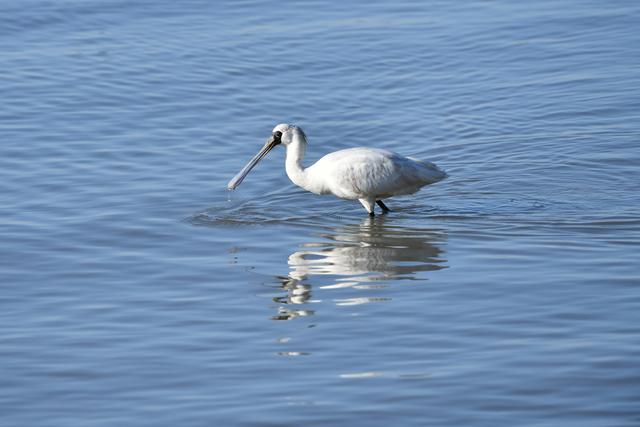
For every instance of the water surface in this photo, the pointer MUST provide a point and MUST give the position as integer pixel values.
(137, 291)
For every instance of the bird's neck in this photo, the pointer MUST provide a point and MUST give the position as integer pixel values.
(293, 163)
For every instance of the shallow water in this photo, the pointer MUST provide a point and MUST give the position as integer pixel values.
(137, 291)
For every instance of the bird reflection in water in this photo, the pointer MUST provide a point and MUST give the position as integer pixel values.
(360, 256)
(297, 293)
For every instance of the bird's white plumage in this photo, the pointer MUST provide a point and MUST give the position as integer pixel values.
(364, 174)
(358, 173)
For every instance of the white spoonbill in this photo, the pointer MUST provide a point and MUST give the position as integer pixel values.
(365, 174)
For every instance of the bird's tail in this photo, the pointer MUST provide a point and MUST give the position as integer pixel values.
(430, 172)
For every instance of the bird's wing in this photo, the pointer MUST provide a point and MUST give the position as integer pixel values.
(361, 172)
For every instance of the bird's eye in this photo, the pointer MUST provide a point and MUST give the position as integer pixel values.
(277, 134)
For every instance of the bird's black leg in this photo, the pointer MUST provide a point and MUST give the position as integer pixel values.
(371, 214)
(384, 207)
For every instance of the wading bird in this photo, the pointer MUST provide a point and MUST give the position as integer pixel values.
(365, 174)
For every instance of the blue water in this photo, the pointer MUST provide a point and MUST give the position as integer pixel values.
(135, 290)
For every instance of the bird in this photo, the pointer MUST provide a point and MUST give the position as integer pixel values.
(368, 175)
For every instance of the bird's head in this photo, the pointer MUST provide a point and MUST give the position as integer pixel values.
(283, 134)
(287, 133)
